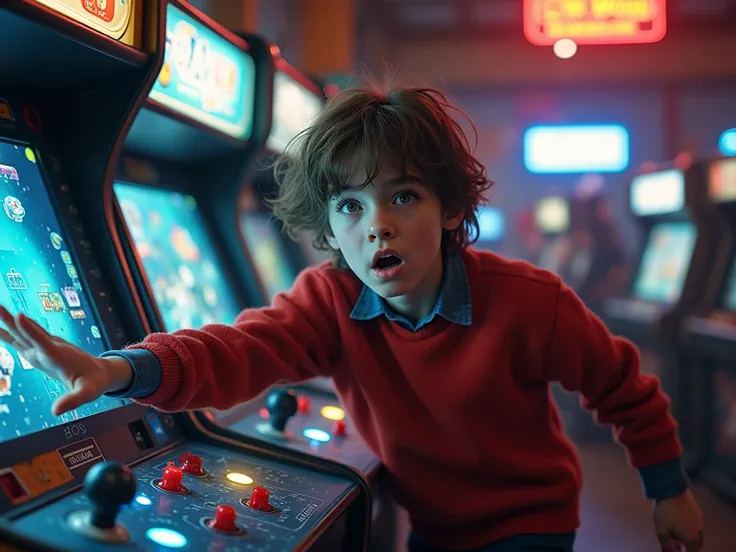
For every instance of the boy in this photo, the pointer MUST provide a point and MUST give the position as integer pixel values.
(441, 354)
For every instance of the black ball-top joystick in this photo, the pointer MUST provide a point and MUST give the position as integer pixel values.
(281, 405)
(108, 486)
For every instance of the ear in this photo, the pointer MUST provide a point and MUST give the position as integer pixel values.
(332, 242)
(452, 222)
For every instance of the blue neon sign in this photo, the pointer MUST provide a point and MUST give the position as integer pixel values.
(576, 149)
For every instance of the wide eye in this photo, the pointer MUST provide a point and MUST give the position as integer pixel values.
(405, 198)
(349, 207)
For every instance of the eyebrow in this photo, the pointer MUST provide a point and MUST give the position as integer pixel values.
(396, 181)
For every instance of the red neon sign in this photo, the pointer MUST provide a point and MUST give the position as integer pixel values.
(595, 21)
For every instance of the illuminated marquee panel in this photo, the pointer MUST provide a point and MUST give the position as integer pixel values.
(594, 21)
(114, 18)
(205, 77)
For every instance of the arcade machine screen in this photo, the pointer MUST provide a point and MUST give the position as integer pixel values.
(268, 253)
(294, 109)
(39, 279)
(665, 262)
(178, 256)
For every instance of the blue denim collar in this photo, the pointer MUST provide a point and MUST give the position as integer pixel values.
(453, 303)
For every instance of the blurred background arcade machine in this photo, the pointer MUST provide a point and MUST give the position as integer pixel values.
(709, 342)
(597, 266)
(670, 281)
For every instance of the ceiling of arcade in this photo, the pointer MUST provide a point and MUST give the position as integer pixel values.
(481, 42)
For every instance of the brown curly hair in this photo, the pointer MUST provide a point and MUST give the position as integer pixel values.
(409, 129)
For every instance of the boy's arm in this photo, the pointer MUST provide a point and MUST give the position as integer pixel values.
(219, 366)
(583, 356)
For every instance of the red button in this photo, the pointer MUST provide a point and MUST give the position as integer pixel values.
(259, 499)
(304, 405)
(171, 480)
(191, 464)
(225, 519)
(263, 413)
(339, 429)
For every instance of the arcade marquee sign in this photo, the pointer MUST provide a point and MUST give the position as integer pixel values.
(594, 21)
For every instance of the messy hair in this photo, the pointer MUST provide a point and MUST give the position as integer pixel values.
(409, 129)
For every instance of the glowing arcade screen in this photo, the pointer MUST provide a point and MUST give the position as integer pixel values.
(267, 252)
(665, 262)
(178, 257)
(294, 108)
(205, 77)
(39, 279)
(595, 21)
(491, 224)
(722, 180)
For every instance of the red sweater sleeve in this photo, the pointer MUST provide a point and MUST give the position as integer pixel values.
(219, 366)
(584, 357)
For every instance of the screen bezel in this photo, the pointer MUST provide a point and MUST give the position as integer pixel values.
(233, 39)
(184, 187)
(28, 446)
(638, 274)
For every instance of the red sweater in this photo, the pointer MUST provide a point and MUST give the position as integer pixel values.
(461, 416)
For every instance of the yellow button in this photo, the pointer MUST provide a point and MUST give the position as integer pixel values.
(240, 478)
(333, 413)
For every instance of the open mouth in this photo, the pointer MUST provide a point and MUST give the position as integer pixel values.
(387, 261)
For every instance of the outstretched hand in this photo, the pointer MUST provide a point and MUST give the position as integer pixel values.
(84, 375)
(679, 523)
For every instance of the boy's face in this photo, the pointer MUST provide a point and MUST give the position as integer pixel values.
(399, 219)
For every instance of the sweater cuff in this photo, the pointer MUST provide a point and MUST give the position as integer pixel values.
(664, 480)
(146, 373)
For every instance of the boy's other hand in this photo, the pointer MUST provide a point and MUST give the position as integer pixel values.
(86, 377)
(679, 523)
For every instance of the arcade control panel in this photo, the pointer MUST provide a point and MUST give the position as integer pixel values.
(307, 421)
(195, 496)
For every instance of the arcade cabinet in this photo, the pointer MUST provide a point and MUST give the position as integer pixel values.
(670, 281)
(112, 473)
(552, 219)
(491, 228)
(709, 342)
(296, 102)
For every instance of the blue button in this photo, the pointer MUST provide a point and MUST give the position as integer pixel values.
(166, 537)
(316, 435)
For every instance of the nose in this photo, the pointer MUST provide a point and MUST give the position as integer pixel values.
(381, 230)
